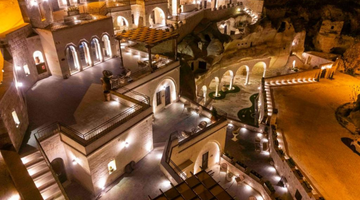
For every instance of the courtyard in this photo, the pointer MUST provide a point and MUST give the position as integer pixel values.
(314, 137)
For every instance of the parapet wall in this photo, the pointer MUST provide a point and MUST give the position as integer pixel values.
(298, 77)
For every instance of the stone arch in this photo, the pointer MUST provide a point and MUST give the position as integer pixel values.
(259, 69)
(95, 50)
(107, 52)
(164, 94)
(72, 58)
(38, 57)
(228, 79)
(84, 54)
(59, 168)
(213, 149)
(242, 75)
(121, 23)
(157, 17)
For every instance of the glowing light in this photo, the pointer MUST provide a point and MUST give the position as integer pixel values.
(19, 84)
(166, 183)
(102, 184)
(74, 161)
(148, 147)
(18, 68)
(248, 188)
(34, 3)
(14, 197)
(159, 156)
(126, 144)
(238, 9)
(259, 135)
(271, 169)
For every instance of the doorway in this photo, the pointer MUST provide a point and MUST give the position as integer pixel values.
(167, 96)
(59, 168)
(205, 161)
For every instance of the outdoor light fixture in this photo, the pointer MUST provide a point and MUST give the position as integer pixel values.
(19, 84)
(34, 3)
(18, 68)
(238, 9)
(126, 144)
(74, 161)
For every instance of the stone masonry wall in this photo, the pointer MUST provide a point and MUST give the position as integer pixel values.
(22, 56)
(13, 101)
(140, 143)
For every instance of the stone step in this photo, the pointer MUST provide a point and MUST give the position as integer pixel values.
(51, 192)
(44, 180)
(38, 169)
(32, 158)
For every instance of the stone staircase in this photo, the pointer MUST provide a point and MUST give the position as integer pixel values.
(42, 176)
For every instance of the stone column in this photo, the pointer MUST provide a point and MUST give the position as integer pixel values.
(247, 77)
(217, 87)
(231, 82)
(204, 89)
(120, 52)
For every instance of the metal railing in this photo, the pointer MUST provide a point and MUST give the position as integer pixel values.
(46, 131)
(51, 169)
(137, 95)
(108, 125)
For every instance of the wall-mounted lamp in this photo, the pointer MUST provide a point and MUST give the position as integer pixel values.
(34, 3)
(74, 161)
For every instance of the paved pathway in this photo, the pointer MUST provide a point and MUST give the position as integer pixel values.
(56, 99)
(243, 150)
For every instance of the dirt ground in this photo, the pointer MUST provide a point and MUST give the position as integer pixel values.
(316, 141)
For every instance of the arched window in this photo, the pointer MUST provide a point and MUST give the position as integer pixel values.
(38, 57)
(39, 62)
(107, 46)
(95, 50)
(85, 58)
(157, 17)
(72, 59)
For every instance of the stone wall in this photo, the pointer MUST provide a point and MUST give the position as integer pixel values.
(22, 47)
(7, 189)
(248, 180)
(54, 148)
(297, 77)
(13, 101)
(293, 184)
(40, 14)
(150, 87)
(212, 141)
(50, 53)
(139, 143)
(72, 36)
(314, 60)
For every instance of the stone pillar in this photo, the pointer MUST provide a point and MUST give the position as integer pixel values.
(217, 87)
(204, 89)
(150, 61)
(247, 77)
(231, 82)
(120, 52)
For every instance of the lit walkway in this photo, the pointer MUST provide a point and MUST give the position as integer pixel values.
(243, 150)
(173, 118)
(55, 99)
(145, 180)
